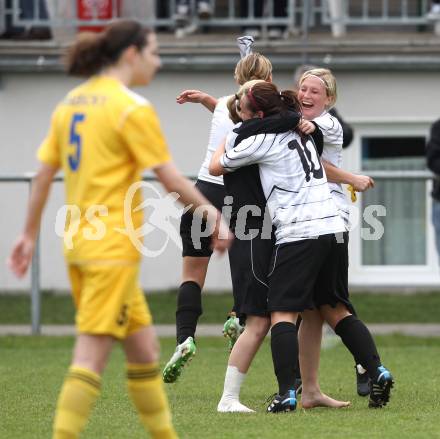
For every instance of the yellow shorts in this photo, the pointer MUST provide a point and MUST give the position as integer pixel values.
(108, 299)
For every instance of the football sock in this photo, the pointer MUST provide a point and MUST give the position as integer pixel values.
(189, 309)
(298, 369)
(284, 345)
(80, 390)
(356, 360)
(146, 391)
(357, 338)
(233, 381)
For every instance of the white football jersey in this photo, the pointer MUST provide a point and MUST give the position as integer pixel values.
(293, 181)
(221, 125)
(332, 152)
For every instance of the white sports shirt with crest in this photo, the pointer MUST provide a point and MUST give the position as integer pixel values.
(293, 180)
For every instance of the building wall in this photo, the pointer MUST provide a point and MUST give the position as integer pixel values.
(396, 101)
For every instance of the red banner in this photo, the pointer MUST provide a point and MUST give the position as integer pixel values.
(97, 10)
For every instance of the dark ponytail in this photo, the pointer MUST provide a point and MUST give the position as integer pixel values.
(265, 97)
(91, 52)
(290, 100)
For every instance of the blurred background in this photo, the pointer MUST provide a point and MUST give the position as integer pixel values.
(386, 58)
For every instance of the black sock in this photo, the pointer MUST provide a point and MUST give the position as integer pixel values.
(284, 345)
(356, 360)
(356, 336)
(189, 309)
(298, 369)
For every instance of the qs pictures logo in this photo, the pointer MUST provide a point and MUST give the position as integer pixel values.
(159, 213)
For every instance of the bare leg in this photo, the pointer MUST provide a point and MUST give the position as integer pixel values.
(194, 269)
(240, 360)
(249, 342)
(310, 335)
(283, 316)
(309, 338)
(142, 346)
(333, 315)
(91, 352)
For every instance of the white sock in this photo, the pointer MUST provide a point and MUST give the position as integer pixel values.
(233, 381)
(232, 406)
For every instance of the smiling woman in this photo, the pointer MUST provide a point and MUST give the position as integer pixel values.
(317, 92)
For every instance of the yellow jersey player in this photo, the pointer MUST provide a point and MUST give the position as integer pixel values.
(102, 136)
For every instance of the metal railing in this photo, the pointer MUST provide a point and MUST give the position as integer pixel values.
(369, 13)
(68, 13)
(336, 13)
(35, 268)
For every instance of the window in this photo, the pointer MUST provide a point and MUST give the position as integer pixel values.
(404, 238)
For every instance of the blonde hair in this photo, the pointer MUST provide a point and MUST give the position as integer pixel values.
(328, 80)
(233, 100)
(253, 66)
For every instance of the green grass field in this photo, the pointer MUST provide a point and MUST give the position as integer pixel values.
(32, 370)
(372, 308)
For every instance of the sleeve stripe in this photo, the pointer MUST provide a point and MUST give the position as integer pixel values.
(314, 219)
(302, 204)
(236, 159)
(245, 149)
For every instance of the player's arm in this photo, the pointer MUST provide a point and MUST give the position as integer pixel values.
(230, 156)
(331, 130)
(21, 254)
(215, 167)
(150, 151)
(174, 181)
(334, 174)
(310, 128)
(347, 129)
(197, 97)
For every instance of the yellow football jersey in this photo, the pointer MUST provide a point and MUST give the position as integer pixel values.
(102, 135)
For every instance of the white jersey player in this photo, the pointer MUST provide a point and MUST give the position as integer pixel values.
(197, 247)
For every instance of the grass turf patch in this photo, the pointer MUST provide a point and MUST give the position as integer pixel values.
(372, 308)
(32, 370)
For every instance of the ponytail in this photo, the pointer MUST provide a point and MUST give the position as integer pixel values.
(91, 52)
(85, 57)
(232, 108)
(290, 100)
(264, 96)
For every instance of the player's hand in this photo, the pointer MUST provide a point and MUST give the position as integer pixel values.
(193, 96)
(21, 255)
(222, 237)
(306, 127)
(361, 183)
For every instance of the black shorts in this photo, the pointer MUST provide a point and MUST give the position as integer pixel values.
(249, 261)
(192, 243)
(308, 274)
(341, 289)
